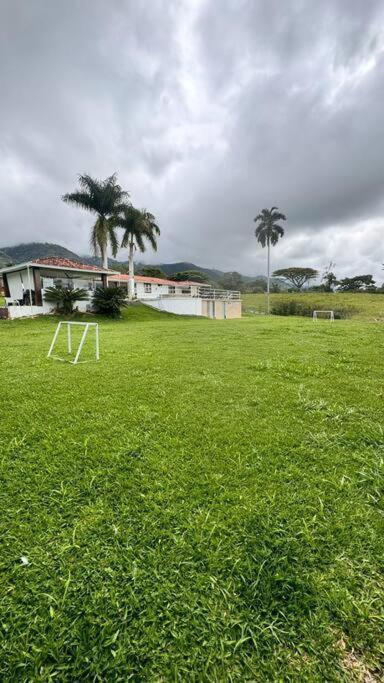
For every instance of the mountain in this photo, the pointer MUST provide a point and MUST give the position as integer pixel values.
(5, 260)
(181, 266)
(31, 250)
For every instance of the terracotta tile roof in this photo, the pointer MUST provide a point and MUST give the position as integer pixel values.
(123, 277)
(61, 262)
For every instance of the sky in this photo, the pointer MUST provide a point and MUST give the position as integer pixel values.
(209, 111)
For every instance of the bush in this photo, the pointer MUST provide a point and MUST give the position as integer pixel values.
(110, 301)
(293, 307)
(64, 298)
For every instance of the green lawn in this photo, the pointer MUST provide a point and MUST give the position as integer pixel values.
(202, 505)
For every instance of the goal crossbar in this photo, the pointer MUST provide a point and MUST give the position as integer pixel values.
(87, 327)
(330, 313)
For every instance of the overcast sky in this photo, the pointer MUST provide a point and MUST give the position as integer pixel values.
(209, 110)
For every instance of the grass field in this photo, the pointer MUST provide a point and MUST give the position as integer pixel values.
(361, 306)
(204, 504)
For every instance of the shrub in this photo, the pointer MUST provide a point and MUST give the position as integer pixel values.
(64, 298)
(110, 300)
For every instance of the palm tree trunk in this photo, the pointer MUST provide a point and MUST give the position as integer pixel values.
(131, 273)
(104, 256)
(104, 261)
(268, 274)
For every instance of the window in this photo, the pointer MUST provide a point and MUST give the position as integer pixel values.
(171, 289)
(147, 287)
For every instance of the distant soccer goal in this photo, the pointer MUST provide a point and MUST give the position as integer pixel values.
(87, 327)
(328, 315)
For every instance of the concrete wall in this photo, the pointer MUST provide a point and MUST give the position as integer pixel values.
(27, 311)
(220, 310)
(180, 306)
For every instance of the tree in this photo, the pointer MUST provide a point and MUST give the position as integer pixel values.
(358, 283)
(259, 284)
(268, 233)
(190, 275)
(152, 271)
(110, 300)
(139, 227)
(297, 276)
(104, 198)
(232, 280)
(329, 278)
(64, 298)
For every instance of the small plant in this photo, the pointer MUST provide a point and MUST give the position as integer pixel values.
(110, 301)
(64, 298)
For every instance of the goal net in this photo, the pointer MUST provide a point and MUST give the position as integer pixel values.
(85, 329)
(327, 315)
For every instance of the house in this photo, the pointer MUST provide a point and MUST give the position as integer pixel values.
(24, 286)
(182, 298)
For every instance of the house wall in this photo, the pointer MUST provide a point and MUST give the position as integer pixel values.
(179, 306)
(156, 290)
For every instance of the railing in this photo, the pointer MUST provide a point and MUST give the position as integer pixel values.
(196, 292)
(208, 293)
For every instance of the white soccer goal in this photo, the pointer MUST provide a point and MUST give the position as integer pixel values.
(87, 327)
(330, 315)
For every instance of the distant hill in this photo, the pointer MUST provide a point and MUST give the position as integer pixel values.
(31, 250)
(5, 259)
(180, 266)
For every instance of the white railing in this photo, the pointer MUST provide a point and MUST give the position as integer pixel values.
(197, 292)
(209, 293)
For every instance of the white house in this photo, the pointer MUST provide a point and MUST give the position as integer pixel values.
(24, 286)
(183, 298)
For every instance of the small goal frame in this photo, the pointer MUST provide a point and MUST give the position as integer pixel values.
(331, 315)
(87, 327)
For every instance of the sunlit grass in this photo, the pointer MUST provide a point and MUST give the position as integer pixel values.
(202, 504)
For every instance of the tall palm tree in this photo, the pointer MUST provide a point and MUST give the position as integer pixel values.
(268, 233)
(105, 198)
(139, 227)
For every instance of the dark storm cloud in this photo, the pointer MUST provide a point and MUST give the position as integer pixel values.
(209, 111)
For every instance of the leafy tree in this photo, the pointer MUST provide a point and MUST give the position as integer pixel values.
(329, 278)
(104, 198)
(259, 284)
(109, 300)
(139, 227)
(358, 283)
(298, 277)
(152, 271)
(190, 275)
(64, 298)
(232, 280)
(268, 233)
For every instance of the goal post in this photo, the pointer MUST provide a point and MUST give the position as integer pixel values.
(87, 327)
(330, 315)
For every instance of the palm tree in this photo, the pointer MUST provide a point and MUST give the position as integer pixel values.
(268, 233)
(105, 199)
(139, 226)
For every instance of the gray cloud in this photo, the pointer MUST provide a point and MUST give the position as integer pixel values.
(209, 112)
